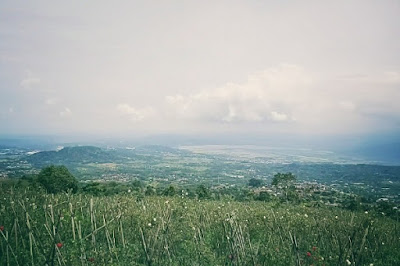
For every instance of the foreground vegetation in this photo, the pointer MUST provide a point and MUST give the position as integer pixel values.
(37, 228)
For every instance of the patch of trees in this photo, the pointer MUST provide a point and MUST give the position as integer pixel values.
(56, 179)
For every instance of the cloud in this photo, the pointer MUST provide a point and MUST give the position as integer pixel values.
(290, 97)
(29, 81)
(51, 101)
(135, 114)
(275, 116)
(66, 112)
(266, 96)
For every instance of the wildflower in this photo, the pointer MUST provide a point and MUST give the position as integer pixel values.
(154, 219)
(91, 259)
(305, 215)
(314, 248)
(59, 245)
(149, 224)
(348, 262)
(308, 254)
(366, 212)
(1, 227)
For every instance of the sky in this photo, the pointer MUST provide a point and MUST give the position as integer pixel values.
(116, 68)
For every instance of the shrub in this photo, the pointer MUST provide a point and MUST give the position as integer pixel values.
(57, 179)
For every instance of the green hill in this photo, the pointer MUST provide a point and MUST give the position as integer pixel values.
(73, 155)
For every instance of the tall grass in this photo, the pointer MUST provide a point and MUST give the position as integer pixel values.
(68, 229)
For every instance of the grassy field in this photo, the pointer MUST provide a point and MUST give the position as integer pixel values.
(38, 228)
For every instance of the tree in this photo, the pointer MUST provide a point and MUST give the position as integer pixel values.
(263, 196)
(202, 192)
(254, 182)
(285, 182)
(150, 191)
(170, 191)
(57, 179)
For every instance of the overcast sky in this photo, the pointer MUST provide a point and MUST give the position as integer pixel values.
(155, 67)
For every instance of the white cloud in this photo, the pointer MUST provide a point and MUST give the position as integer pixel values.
(133, 113)
(66, 112)
(266, 95)
(275, 116)
(299, 99)
(51, 101)
(29, 81)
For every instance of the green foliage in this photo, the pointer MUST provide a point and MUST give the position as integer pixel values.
(263, 196)
(57, 179)
(169, 191)
(150, 191)
(112, 188)
(203, 192)
(159, 230)
(94, 188)
(254, 182)
(285, 183)
(283, 179)
(352, 203)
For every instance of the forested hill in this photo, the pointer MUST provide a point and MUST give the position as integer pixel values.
(78, 154)
(91, 154)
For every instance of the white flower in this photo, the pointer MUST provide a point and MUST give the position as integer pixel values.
(129, 191)
(348, 262)
(154, 219)
(366, 212)
(265, 217)
(149, 224)
(305, 215)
